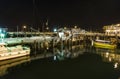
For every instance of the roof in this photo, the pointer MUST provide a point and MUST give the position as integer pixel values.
(3, 43)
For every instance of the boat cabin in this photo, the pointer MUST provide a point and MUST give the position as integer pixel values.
(102, 41)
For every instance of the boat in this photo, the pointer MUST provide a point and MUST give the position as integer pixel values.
(9, 52)
(104, 44)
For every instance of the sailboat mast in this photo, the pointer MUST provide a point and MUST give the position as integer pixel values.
(34, 13)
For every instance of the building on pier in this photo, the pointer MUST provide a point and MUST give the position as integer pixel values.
(74, 31)
(112, 30)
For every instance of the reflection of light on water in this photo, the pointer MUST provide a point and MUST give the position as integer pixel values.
(55, 58)
(110, 59)
(107, 54)
(65, 53)
(47, 48)
(115, 65)
(119, 78)
(4, 65)
(112, 56)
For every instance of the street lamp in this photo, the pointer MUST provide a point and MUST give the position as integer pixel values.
(24, 27)
(47, 28)
(55, 30)
(75, 27)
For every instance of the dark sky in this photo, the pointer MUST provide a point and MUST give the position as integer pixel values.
(84, 13)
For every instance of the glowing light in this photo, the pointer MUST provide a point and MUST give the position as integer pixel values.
(2, 35)
(61, 34)
(65, 27)
(115, 65)
(55, 30)
(107, 54)
(47, 28)
(47, 48)
(110, 59)
(55, 57)
(118, 24)
(75, 27)
(24, 27)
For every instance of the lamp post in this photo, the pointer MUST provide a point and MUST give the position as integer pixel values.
(47, 28)
(24, 28)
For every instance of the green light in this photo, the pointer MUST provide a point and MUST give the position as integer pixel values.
(2, 35)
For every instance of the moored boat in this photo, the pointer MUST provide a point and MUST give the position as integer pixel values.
(9, 52)
(104, 44)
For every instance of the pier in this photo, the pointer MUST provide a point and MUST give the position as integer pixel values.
(54, 38)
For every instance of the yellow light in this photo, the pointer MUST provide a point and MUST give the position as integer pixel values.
(24, 27)
(115, 65)
(107, 54)
(110, 59)
(47, 28)
(75, 27)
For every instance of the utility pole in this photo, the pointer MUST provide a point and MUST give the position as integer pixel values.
(17, 31)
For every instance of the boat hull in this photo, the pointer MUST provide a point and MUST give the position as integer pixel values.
(104, 45)
(11, 55)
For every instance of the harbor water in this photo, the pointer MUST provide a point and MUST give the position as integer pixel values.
(78, 61)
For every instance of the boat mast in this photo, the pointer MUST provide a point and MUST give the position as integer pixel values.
(17, 31)
(34, 13)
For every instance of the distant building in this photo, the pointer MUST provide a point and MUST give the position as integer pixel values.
(112, 30)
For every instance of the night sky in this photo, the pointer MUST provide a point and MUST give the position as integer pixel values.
(87, 14)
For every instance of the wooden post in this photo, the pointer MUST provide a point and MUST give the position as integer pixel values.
(53, 43)
(22, 42)
(71, 40)
(35, 47)
(79, 40)
(38, 45)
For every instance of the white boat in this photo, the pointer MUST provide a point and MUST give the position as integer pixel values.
(9, 52)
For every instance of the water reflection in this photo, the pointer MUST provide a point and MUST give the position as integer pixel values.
(62, 53)
(108, 55)
(72, 52)
(5, 65)
(112, 56)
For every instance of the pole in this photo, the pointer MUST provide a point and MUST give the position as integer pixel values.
(43, 27)
(17, 31)
(34, 13)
